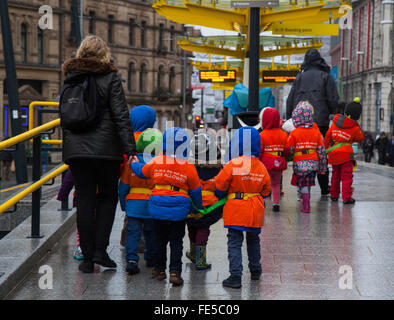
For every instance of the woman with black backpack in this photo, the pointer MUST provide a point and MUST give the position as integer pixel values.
(96, 133)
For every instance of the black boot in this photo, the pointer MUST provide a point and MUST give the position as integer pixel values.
(101, 257)
(86, 266)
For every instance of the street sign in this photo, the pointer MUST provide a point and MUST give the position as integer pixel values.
(217, 76)
(305, 29)
(254, 3)
(279, 76)
(198, 87)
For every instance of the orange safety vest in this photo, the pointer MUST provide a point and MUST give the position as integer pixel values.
(208, 192)
(130, 178)
(273, 141)
(244, 175)
(169, 171)
(305, 140)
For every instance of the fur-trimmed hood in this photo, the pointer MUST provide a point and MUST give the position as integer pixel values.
(91, 65)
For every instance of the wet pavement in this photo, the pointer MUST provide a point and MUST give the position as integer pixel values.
(302, 255)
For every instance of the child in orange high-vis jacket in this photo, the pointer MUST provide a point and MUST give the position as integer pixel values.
(273, 141)
(245, 181)
(338, 142)
(176, 182)
(305, 142)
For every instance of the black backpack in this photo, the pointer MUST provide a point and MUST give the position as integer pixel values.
(80, 109)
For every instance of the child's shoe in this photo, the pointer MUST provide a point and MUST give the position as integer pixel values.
(201, 260)
(232, 282)
(78, 254)
(159, 275)
(192, 253)
(350, 201)
(334, 199)
(276, 208)
(175, 278)
(132, 267)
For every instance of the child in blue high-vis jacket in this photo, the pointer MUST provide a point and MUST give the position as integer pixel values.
(134, 194)
(176, 182)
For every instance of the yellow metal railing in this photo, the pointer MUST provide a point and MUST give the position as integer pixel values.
(31, 188)
(34, 132)
(31, 117)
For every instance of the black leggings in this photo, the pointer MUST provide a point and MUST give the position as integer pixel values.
(96, 185)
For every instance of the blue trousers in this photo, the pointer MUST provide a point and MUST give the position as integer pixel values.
(135, 227)
(234, 245)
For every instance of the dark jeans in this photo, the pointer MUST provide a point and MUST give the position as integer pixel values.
(173, 232)
(323, 179)
(368, 156)
(135, 227)
(96, 183)
(234, 245)
(382, 158)
(198, 235)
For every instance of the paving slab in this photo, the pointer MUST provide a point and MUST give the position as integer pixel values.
(301, 254)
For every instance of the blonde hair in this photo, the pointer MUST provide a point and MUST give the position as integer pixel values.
(94, 47)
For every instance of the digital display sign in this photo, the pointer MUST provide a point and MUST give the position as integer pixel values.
(218, 76)
(279, 76)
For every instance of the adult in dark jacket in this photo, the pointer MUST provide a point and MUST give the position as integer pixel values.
(368, 147)
(95, 156)
(381, 145)
(314, 84)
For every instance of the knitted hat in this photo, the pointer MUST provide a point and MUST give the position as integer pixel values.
(149, 137)
(353, 109)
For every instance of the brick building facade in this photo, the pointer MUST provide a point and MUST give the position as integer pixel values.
(143, 46)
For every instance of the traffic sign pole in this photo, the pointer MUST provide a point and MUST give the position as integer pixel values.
(254, 58)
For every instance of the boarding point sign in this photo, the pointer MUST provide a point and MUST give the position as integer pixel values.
(254, 3)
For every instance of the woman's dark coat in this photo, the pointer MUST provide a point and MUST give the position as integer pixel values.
(113, 136)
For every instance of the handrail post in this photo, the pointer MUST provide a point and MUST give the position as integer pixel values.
(36, 195)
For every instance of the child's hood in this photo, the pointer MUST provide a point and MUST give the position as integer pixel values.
(270, 119)
(142, 117)
(343, 122)
(245, 142)
(302, 116)
(176, 142)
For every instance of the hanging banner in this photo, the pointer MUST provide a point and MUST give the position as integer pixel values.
(305, 29)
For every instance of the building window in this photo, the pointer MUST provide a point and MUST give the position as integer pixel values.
(110, 28)
(142, 78)
(161, 29)
(131, 32)
(160, 82)
(40, 45)
(143, 25)
(130, 77)
(171, 81)
(172, 39)
(23, 43)
(92, 17)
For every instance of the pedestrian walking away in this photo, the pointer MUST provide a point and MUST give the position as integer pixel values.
(315, 84)
(95, 155)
